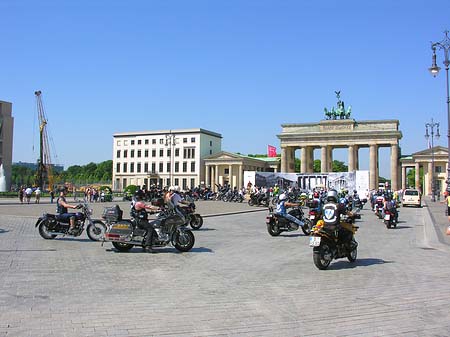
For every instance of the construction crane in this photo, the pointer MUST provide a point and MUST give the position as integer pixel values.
(44, 165)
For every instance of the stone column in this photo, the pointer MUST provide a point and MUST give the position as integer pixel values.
(351, 158)
(216, 176)
(303, 160)
(310, 159)
(417, 177)
(207, 176)
(324, 159)
(330, 159)
(373, 166)
(403, 177)
(241, 177)
(230, 175)
(291, 160)
(429, 181)
(394, 167)
(284, 161)
(356, 157)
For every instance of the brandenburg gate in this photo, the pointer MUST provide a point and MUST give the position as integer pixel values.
(341, 133)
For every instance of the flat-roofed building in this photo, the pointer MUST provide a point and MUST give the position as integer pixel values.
(163, 158)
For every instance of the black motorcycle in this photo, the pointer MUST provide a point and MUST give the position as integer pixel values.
(276, 224)
(167, 228)
(258, 200)
(51, 225)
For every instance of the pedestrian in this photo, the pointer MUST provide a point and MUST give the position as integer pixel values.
(28, 192)
(37, 192)
(21, 194)
(52, 196)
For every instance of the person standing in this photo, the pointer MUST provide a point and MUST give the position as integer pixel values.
(37, 192)
(21, 194)
(52, 196)
(28, 192)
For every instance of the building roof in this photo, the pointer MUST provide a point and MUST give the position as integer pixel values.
(167, 132)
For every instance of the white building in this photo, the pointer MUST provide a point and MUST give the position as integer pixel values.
(164, 158)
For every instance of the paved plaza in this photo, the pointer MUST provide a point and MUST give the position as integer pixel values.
(236, 281)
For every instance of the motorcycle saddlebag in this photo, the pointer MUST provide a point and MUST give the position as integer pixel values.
(112, 214)
(119, 231)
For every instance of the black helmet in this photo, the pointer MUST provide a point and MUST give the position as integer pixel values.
(139, 195)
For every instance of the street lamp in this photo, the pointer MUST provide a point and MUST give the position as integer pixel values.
(170, 142)
(434, 70)
(431, 126)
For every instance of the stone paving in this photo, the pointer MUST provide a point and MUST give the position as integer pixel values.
(236, 281)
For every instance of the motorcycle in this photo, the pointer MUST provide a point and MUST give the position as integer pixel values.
(50, 225)
(276, 224)
(390, 218)
(333, 242)
(255, 200)
(168, 228)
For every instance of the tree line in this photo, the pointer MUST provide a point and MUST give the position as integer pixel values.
(77, 175)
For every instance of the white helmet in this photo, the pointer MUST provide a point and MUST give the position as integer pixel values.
(282, 197)
(175, 188)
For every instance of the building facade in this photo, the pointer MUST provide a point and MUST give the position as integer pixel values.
(163, 158)
(437, 158)
(6, 143)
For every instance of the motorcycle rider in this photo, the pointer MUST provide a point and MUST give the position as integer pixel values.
(281, 209)
(61, 209)
(333, 210)
(139, 212)
(175, 201)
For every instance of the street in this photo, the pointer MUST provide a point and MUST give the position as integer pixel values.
(236, 281)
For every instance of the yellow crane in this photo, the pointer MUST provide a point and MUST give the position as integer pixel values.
(44, 169)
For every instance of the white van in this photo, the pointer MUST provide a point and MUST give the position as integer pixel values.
(411, 197)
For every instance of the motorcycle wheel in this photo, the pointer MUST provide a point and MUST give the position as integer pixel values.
(250, 202)
(273, 229)
(387, 223)
(322, 256)
(122, 247)
(352, 255)
(184, 240)
(196, 221)
(306, 228)
(44, 233)
(96, 231)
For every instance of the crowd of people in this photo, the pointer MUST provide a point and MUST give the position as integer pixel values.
(26, 193)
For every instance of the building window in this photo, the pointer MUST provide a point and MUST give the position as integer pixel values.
(146, 142)
(210, 151)
(226, 171)
(177, 152)
(125, 142)
(161, 153)
(125, 153)
(118, 154)
(132, 154)
(138, 168)
(193, 166)
(153, 167)
(176, 181)
(124, 168)
(192, 182)
(177, 166)
(168, 153)
(131, 167)
(146, 153)
(119, 143)
(168, 167)
(184, 140)
(161, 141)
(210, 143)
(184, 166)
(118, 167)
(193, 140)
(139, 142)
(132, 142)
(438, 169)
(188, 153)
(153, 141)
(139, 154)
(145, 167)
(184, 183)
(161, 167)
(153, 153)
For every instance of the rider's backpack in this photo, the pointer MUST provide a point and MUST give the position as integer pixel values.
(112, 214)
(331, 214)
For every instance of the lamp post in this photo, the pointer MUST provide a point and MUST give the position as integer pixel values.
(170, 142)
(431, 126)
(434, 70)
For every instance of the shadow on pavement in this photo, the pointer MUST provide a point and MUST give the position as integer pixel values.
(162, 250)
(344, 264)
(3, 231)
(27, 250)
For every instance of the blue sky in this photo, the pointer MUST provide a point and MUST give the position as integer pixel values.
(240, 68)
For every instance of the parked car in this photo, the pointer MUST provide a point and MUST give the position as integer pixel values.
(411, 197)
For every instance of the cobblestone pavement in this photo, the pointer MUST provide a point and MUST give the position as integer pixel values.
(439, 218)
(236, 281)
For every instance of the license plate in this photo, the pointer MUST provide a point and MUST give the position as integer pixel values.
(387, 217)
(314, 241)
(312, 217)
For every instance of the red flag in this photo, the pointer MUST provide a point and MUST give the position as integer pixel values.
(271, 151)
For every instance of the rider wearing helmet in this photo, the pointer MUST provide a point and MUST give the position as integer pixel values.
(281, 209)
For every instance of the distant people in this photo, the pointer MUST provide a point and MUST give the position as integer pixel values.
(21, 192)
(37, 193)
(28, 192)
(52, 196)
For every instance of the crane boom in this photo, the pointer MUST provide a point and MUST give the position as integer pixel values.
(44, 169)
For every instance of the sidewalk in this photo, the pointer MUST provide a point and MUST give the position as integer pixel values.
(439, 218)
